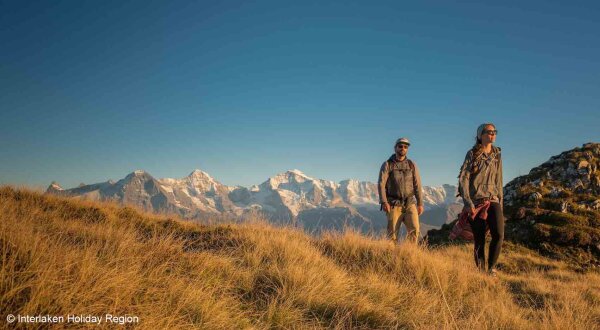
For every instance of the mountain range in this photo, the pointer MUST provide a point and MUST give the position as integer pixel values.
(288, 197)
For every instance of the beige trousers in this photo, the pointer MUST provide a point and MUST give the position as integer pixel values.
(409, 216)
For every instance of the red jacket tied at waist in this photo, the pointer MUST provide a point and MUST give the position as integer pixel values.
(462, 228)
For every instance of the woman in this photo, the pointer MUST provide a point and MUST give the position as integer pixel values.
(480, 185)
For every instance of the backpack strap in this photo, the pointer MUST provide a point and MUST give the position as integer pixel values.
(411, 165)
(412, 168)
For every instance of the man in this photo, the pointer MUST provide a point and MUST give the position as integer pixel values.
(400, 192)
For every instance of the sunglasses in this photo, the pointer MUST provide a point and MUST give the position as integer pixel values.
(490, 131)
(402, 146)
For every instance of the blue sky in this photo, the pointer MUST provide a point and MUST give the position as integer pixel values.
(91, 91)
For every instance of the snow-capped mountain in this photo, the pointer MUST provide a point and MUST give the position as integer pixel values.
(198, 193)
(291, 196)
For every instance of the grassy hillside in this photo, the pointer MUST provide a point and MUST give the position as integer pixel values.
(61, 256)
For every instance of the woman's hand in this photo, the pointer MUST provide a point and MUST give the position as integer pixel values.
(470, 210)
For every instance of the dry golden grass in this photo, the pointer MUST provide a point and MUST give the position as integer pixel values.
(62, 256)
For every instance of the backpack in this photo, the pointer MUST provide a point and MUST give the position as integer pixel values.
(411, 165)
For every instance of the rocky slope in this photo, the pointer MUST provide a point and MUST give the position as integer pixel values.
(556, 207)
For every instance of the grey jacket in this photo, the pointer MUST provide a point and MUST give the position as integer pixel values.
(396, 183)
(486, 183)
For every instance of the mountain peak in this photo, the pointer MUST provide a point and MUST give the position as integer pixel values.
(289, 176)
(137, 174)
(199, 173)
(54, 187)
(296, 172)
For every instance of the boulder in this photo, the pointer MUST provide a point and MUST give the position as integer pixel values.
(564, 207)
(536, 196)
(583, 164)
(556, 192)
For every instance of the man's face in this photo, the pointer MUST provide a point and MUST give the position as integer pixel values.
(401, 149)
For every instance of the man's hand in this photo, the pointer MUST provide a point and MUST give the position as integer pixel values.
(386, 207)
(420, 209)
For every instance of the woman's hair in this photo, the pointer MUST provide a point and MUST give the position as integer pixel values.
(478, 147)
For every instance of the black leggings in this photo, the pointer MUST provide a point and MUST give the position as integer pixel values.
(495, 221)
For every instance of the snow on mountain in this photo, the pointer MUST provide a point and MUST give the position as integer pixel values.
(297, 192)
(197, 192)
(359, 192)
(288, 196)
(444, 195)
(55, 187)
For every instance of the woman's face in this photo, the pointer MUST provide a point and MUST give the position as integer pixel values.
(489, 134)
